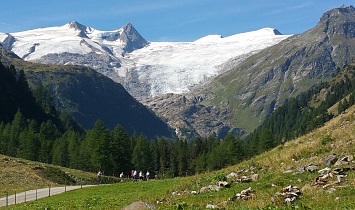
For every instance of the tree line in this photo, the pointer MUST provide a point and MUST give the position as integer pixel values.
(113, 151)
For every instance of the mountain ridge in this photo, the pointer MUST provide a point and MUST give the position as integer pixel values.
(144, 68)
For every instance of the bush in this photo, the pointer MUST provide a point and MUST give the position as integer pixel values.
(220, 177)
(326, 139)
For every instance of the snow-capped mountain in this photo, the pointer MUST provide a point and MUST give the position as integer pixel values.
(143, 68)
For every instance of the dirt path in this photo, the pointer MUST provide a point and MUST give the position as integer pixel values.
(37, 194)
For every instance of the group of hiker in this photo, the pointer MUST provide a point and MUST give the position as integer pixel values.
(141, 176)
(134, 176)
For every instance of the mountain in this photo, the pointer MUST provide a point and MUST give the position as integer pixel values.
(238, 100)
(144, 68)
(90, 96)
(252, 90)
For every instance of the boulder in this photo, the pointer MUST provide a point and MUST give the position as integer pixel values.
(330, 160)
(139, 205)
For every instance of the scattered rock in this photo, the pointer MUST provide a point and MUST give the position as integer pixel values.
(329, 177)
(287, 195)
(244, 194)
(345, 160)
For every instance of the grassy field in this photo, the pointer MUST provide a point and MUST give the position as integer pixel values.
(276, 169)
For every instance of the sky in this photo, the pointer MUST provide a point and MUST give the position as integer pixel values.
(169, 20)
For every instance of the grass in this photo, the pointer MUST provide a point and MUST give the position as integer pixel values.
(337, 136)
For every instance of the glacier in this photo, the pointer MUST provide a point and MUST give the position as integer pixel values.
(159, 67)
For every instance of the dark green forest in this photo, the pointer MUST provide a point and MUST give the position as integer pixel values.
(33, 129)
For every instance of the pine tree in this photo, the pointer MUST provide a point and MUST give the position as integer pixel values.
(17, 126)
(74, 149)
(141, 158)
(120, 150)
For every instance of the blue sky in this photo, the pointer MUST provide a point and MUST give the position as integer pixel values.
(169, 20)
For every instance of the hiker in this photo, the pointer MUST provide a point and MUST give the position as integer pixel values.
(121, 176)
(147, 175)
(99, 176)
(134, 175)
(141, 175)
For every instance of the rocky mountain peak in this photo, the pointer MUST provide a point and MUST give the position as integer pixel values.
(79, 27)
(277, 32)
(339, 21)
(132, 38)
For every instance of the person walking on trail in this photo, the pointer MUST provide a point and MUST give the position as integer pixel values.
(141, 175)
(147, 175)
(134, 175)
(121, 176)
(99, 176)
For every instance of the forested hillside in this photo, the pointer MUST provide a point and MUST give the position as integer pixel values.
(308, 111)
(89, 96)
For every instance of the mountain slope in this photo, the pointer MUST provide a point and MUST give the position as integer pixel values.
(90, 96)
(264, 81)
(296, 163)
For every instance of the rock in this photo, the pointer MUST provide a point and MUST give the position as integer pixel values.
(345, 160)
(231, 175)
(311, 168)
(288, 171)
(254, 177)
(209, 188)
(175, 193)
(324, 171)
(340, 177)
(331, 160)
(210, 206)
(138, 205)
(223, 184)
(243, 179)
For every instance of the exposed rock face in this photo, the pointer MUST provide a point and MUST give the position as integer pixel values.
(8, 42)
(132, 38)
(79, 27)
(191, 117)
